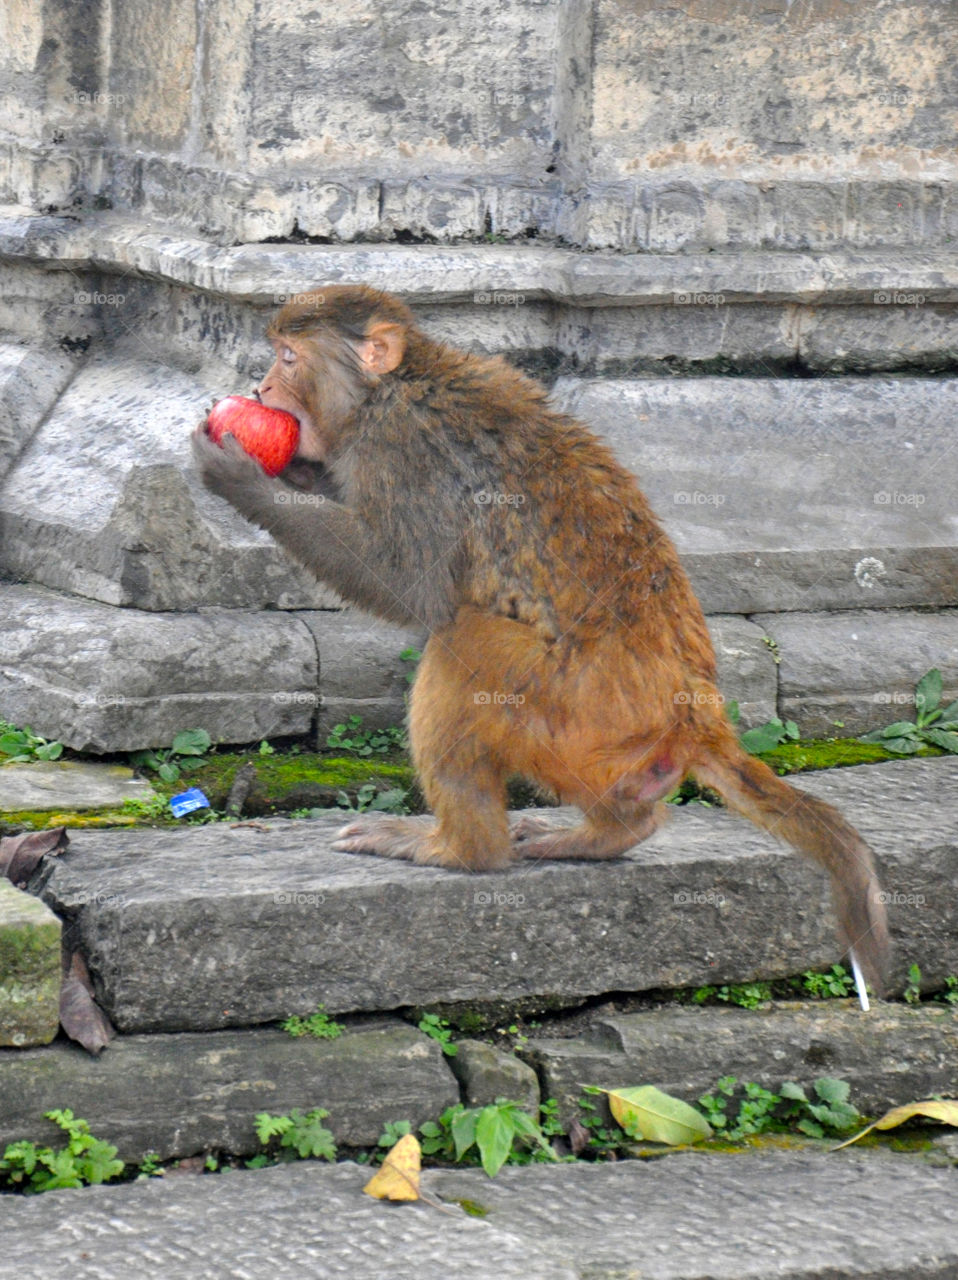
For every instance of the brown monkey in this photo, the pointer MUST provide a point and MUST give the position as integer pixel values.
(566, 644)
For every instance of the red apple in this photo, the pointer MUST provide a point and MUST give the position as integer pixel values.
(268, 435)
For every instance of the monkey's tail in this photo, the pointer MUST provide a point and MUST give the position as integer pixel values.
(819, 831)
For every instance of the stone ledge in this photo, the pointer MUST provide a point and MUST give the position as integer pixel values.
(802, 1214)
(890, 1055)
(268, 273)
(178, 1095)
(232, 926)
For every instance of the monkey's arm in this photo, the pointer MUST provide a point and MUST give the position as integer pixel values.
(324, 536)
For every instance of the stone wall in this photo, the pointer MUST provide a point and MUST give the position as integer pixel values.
(635, 126)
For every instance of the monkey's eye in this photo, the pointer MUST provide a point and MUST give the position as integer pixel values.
(288, 355)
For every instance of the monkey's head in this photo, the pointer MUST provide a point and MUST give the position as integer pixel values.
(332, 344)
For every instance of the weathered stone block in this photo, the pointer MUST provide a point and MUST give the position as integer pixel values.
(29, 969)
(847, 672)
(175, 924)
(177, 1095)
(685, 1051)
(102, 679)
(487, 1073)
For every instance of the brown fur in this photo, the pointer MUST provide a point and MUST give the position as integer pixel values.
(566, 642)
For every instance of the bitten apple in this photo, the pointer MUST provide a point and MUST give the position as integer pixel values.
(268, 435)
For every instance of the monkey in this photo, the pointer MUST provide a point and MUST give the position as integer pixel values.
(565, 643)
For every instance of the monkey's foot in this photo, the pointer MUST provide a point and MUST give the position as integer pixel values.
(388, 837)
(597, 838)
(529, 825)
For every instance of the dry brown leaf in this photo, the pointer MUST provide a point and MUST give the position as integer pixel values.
(398, 1178)
(944, 1110)
(80, 1016)
(20, 855)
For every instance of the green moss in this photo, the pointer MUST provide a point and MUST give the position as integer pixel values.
(831, 753)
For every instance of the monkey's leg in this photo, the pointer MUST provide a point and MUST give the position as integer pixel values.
(603, 833)
(470, 831)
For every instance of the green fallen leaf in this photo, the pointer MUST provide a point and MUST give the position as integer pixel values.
(945, 1110)
(648, 1113)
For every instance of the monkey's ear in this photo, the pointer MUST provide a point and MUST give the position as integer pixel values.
(383, 348)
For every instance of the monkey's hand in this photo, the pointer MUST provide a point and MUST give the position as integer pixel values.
(227, 470)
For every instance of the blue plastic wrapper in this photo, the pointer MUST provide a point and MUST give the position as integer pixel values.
(187, 801)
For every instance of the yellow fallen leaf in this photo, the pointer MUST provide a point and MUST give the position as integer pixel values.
(398, 1178)
(647, 1112)
(945, 1110)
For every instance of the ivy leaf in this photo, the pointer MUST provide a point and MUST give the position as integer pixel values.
(943, 738)
(495, 1130)
(928, 692)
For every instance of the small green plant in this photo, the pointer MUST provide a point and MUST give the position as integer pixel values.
(933, 724)
(23, 745)
(183, 756)
(831, 1114)
(950, 993)
(760, 1110)
(266, 749)
(912, 993)
(370, 799)
(150, 1167)
(440, 1031)
(603, 1140)
(84, 1161)
(300, 1134)
(833, 984)
(318, 1024)
(411, 655)
(498, 1132)
(392, 1132)
(754, 1113)
(352, 737)
(749, 995)
(766, 736)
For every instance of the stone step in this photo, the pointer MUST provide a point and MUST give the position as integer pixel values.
(145, 287)
(893, 1054)
(237, 925)
(180, 1095)
(786, 495)
(782, 495)
(183, 1094)
(689, 1216)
